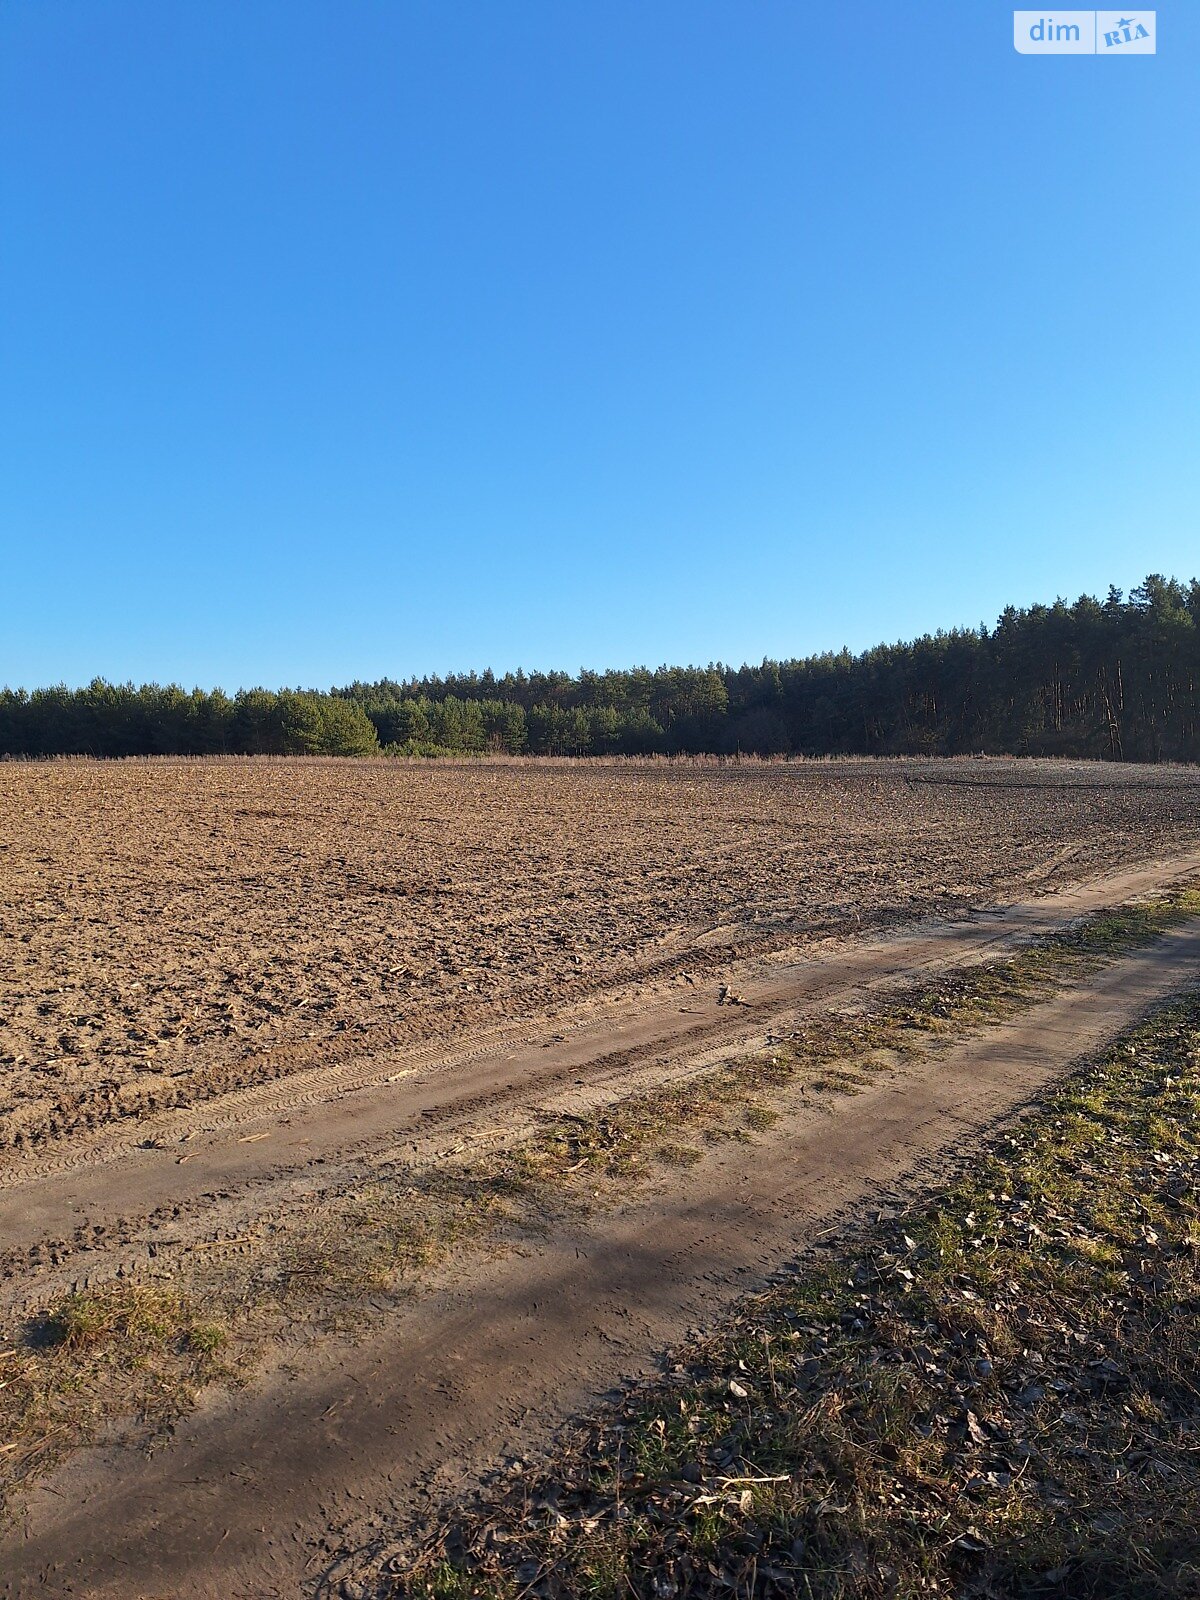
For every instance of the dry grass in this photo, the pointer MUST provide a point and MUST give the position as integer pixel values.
(997, 1394)
(137, 1353)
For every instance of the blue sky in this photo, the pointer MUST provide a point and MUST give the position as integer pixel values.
(373, 337)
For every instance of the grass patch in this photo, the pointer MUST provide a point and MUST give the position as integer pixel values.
(997, 1394)
(136, 1351)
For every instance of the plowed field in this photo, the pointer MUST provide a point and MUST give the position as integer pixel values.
(173, 930)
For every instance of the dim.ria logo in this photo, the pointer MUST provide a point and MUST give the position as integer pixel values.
(1084, 33)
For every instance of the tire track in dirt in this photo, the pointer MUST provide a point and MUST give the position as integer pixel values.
(259, 1136)
(280, 1490)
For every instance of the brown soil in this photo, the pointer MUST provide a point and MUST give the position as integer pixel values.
(278, 1490)
(174, 930)
(586, 919)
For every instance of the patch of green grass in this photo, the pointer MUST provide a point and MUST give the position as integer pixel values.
(206, 1338)
(124, 1349)
(678, 1155)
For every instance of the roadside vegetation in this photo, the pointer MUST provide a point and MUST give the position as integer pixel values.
(1115, 679)
(996, 1393)
(135, 1351)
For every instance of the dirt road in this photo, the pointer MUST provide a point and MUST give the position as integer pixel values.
(273, 1491)
(194, 1170)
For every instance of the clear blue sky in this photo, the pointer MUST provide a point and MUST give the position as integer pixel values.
(368, 337)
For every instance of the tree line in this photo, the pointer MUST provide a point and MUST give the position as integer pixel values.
(1115, 679)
